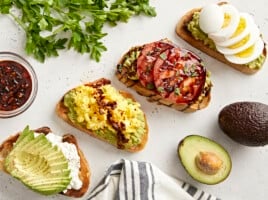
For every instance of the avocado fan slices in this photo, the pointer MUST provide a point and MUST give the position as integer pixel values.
(38, 164)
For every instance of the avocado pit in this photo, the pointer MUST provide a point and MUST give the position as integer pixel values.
(208, 162)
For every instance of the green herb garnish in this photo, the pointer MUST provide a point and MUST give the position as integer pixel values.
(190, 70)
(150, 86)
(160, 89)
(51, 25)
(177, 91)
(163, 56)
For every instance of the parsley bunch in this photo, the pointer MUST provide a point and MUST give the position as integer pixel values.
(51, 25)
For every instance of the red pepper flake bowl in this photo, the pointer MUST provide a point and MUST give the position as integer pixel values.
(18, 84)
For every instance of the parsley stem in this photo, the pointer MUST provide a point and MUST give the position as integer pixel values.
(19, 21)
(58, 30)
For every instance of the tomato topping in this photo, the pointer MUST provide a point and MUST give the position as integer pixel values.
(146, 62)
(179, 75)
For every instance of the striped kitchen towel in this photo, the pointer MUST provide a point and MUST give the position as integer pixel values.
(132, 180)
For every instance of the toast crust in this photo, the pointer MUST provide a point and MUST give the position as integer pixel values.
(182, 31)
(84, 173)
(62, 112)
(152, 96)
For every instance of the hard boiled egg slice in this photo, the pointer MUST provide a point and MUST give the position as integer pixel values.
(248, 55)
(246, 23)
(211, 18)
(241, 45)
(231, 20)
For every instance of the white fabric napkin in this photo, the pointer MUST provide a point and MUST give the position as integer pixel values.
(132, 180)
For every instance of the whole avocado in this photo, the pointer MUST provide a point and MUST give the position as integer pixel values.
(245, 122)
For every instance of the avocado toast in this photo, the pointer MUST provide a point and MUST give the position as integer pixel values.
(98, 109)
(42, 166)
(188, 28)
(166, 74)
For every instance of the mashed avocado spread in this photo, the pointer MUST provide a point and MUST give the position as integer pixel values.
(106, 112)
(198, 34)
(129, 64)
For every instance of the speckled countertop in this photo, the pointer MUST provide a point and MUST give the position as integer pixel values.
(249, 177)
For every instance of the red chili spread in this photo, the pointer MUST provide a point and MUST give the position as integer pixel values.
(15, 85)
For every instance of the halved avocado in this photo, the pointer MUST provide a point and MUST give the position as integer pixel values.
(205, 160)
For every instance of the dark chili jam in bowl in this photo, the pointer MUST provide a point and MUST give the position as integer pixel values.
(18, 84)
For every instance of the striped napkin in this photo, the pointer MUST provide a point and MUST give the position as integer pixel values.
(132, 180)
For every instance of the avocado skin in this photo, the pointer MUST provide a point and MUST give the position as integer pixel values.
(245, 122)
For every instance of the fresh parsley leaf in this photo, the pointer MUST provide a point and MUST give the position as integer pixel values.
(5, 6)
(75, 24)
(150, 86)
(163, 56)
(138, 6)
(160, 89)
(177, 91)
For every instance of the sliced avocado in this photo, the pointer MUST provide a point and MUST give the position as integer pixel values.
(24, 137)
(38, 164)
(49, 186)
(205, 160)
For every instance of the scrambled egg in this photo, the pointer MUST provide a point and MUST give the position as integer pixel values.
(104, 109)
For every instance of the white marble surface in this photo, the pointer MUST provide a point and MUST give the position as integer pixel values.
(249, 176)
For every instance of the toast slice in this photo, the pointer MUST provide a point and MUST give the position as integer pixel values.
(183, 32)
(62, 111)
(152, 96)
(84, 174)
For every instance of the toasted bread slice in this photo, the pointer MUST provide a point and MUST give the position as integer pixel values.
(185, 34)
(152, 96)
(84, 173)
(62, 112)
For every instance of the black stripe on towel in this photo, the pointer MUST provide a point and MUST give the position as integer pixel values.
(192, 190)
(117, 166)
(201, 195)
(144, 183)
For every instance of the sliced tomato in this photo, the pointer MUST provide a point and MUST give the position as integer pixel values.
(179, 77)
(146, 62)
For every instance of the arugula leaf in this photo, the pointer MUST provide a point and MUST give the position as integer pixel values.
(52, 25)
